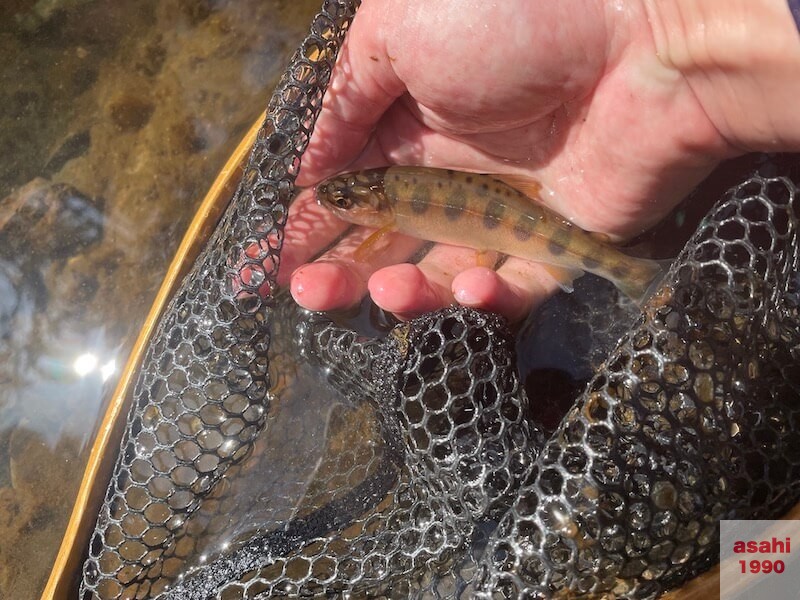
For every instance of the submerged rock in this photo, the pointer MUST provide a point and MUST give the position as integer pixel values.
(53, 220)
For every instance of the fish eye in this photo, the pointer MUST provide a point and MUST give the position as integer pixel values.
(342, 201)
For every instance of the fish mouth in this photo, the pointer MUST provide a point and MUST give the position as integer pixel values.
(321, 192)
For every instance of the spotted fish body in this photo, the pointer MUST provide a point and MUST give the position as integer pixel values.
(481, 212)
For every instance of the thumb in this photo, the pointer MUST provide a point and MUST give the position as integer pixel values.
(363, 86)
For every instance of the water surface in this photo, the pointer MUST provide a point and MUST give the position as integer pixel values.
(116, 117)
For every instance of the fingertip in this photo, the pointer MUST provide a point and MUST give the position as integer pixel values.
(405, 291)
(325, 286)
(484, 289)
(477, 287)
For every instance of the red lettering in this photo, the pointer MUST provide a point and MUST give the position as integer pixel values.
(774, 546)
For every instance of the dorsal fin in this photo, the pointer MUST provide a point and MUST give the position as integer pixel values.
(529, 186)
(533, 189)
(606, 238)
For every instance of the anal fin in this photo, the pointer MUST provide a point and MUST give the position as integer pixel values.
(564, 277)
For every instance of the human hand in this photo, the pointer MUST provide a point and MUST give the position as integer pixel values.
(572, 94)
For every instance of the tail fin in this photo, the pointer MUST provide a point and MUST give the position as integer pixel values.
(645, 280)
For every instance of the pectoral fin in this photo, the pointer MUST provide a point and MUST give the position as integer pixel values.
(367, 247)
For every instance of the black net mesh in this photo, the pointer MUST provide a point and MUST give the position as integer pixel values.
(429, 476)
(202, 395)
(693, 418)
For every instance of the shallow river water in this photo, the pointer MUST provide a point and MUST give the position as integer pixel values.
(116, 116)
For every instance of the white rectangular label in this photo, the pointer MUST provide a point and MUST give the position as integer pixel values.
(758, 559)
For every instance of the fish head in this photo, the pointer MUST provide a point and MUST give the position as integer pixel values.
(356, 198)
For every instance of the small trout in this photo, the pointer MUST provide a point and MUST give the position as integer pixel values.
(480, 212)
